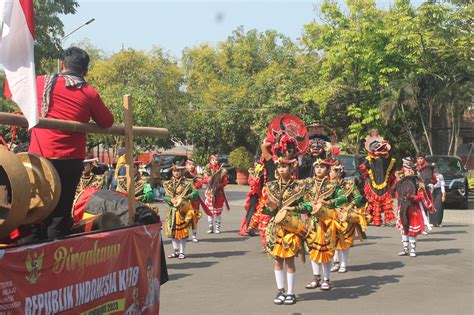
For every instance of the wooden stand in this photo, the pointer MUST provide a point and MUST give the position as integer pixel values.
(128, 121)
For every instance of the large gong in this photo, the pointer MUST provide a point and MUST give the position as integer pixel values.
(45, 186)
(14, 192)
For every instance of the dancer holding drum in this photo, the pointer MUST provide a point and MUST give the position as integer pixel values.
(285, 231)
(410, 193)
(351, 218)
(180, 216)
(325, 194)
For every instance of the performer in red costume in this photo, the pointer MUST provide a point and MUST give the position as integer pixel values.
(411, 193)
(216, 179)
(255, 180)
(378, 173)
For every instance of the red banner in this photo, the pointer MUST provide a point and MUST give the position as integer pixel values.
(115, 272)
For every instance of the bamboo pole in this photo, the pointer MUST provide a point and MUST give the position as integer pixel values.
(128, 120)
(74, 126)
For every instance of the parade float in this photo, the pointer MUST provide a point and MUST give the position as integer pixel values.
(112, 268)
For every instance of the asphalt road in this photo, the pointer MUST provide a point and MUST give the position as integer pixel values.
(228, 274)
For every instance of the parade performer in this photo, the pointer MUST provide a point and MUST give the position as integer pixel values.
(66, 96)
(179, 192)
(427, 175)
(255, 180)
(191, 173)
(215, 177)
(410, 193)
(325, 194)
(321, 146)
(89, 178)
(351, 217)
(378, 172)
(286, 135)
(143, 190)
(285, 231)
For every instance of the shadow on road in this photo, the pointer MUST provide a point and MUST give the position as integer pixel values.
(439, 252)
(365, 243)
(190, 265)
(373, 237)
(435, 239)
(218, 254)
(448, 232)
(177, 276)
(351, 288)
(223, 239)
(230, 232)
(378, 266)
(456, 225)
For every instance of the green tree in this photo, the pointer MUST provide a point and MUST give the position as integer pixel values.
(153, 79)
(49, 30)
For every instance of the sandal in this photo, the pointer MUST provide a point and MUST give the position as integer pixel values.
(342, 269)
(316, 282)
(280, 297)
(174, 255)
(326, 285)
(290, 299)
(335, 267)
(181, 256)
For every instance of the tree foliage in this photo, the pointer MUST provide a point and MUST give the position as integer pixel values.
(406, 71)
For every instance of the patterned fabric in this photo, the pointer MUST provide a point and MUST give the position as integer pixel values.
(216, 179)
(70, 80)
(143, 190)
(280, 241)
(323, 225)
(179, 217)
(351, 218)
(416, 223)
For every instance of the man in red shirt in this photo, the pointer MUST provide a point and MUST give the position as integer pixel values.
(66, 96)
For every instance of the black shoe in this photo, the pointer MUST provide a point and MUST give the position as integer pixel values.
(280, 297)
(290, 299)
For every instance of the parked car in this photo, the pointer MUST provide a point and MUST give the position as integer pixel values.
(455, 177)
(351, 168)
(166, 162)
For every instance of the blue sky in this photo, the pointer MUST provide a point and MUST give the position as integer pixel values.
(175, 25)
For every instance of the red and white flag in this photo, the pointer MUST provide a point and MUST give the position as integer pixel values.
(17, 55)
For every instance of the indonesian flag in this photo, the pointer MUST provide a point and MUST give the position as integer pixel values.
(17, 55)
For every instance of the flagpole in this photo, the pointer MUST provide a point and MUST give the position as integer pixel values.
(69, 34)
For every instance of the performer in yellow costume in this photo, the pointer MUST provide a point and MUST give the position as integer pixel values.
(179, 192)
(350, 217)
(285, 232)
(323, 225)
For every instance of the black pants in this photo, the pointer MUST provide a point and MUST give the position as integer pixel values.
(252, 206)
(436, 218)
(59, 222)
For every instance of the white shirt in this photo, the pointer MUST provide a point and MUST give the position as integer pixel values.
(440, 182)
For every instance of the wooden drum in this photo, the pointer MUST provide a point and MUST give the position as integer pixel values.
(290, 223)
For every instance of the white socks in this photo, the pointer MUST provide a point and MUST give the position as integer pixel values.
(175, 244)
(182, 245)
(343, 255)
(214, 220)
(290, 278)
(316, 268)
(280, 279)
(326, 270)
(337, 257)
(405, 241)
